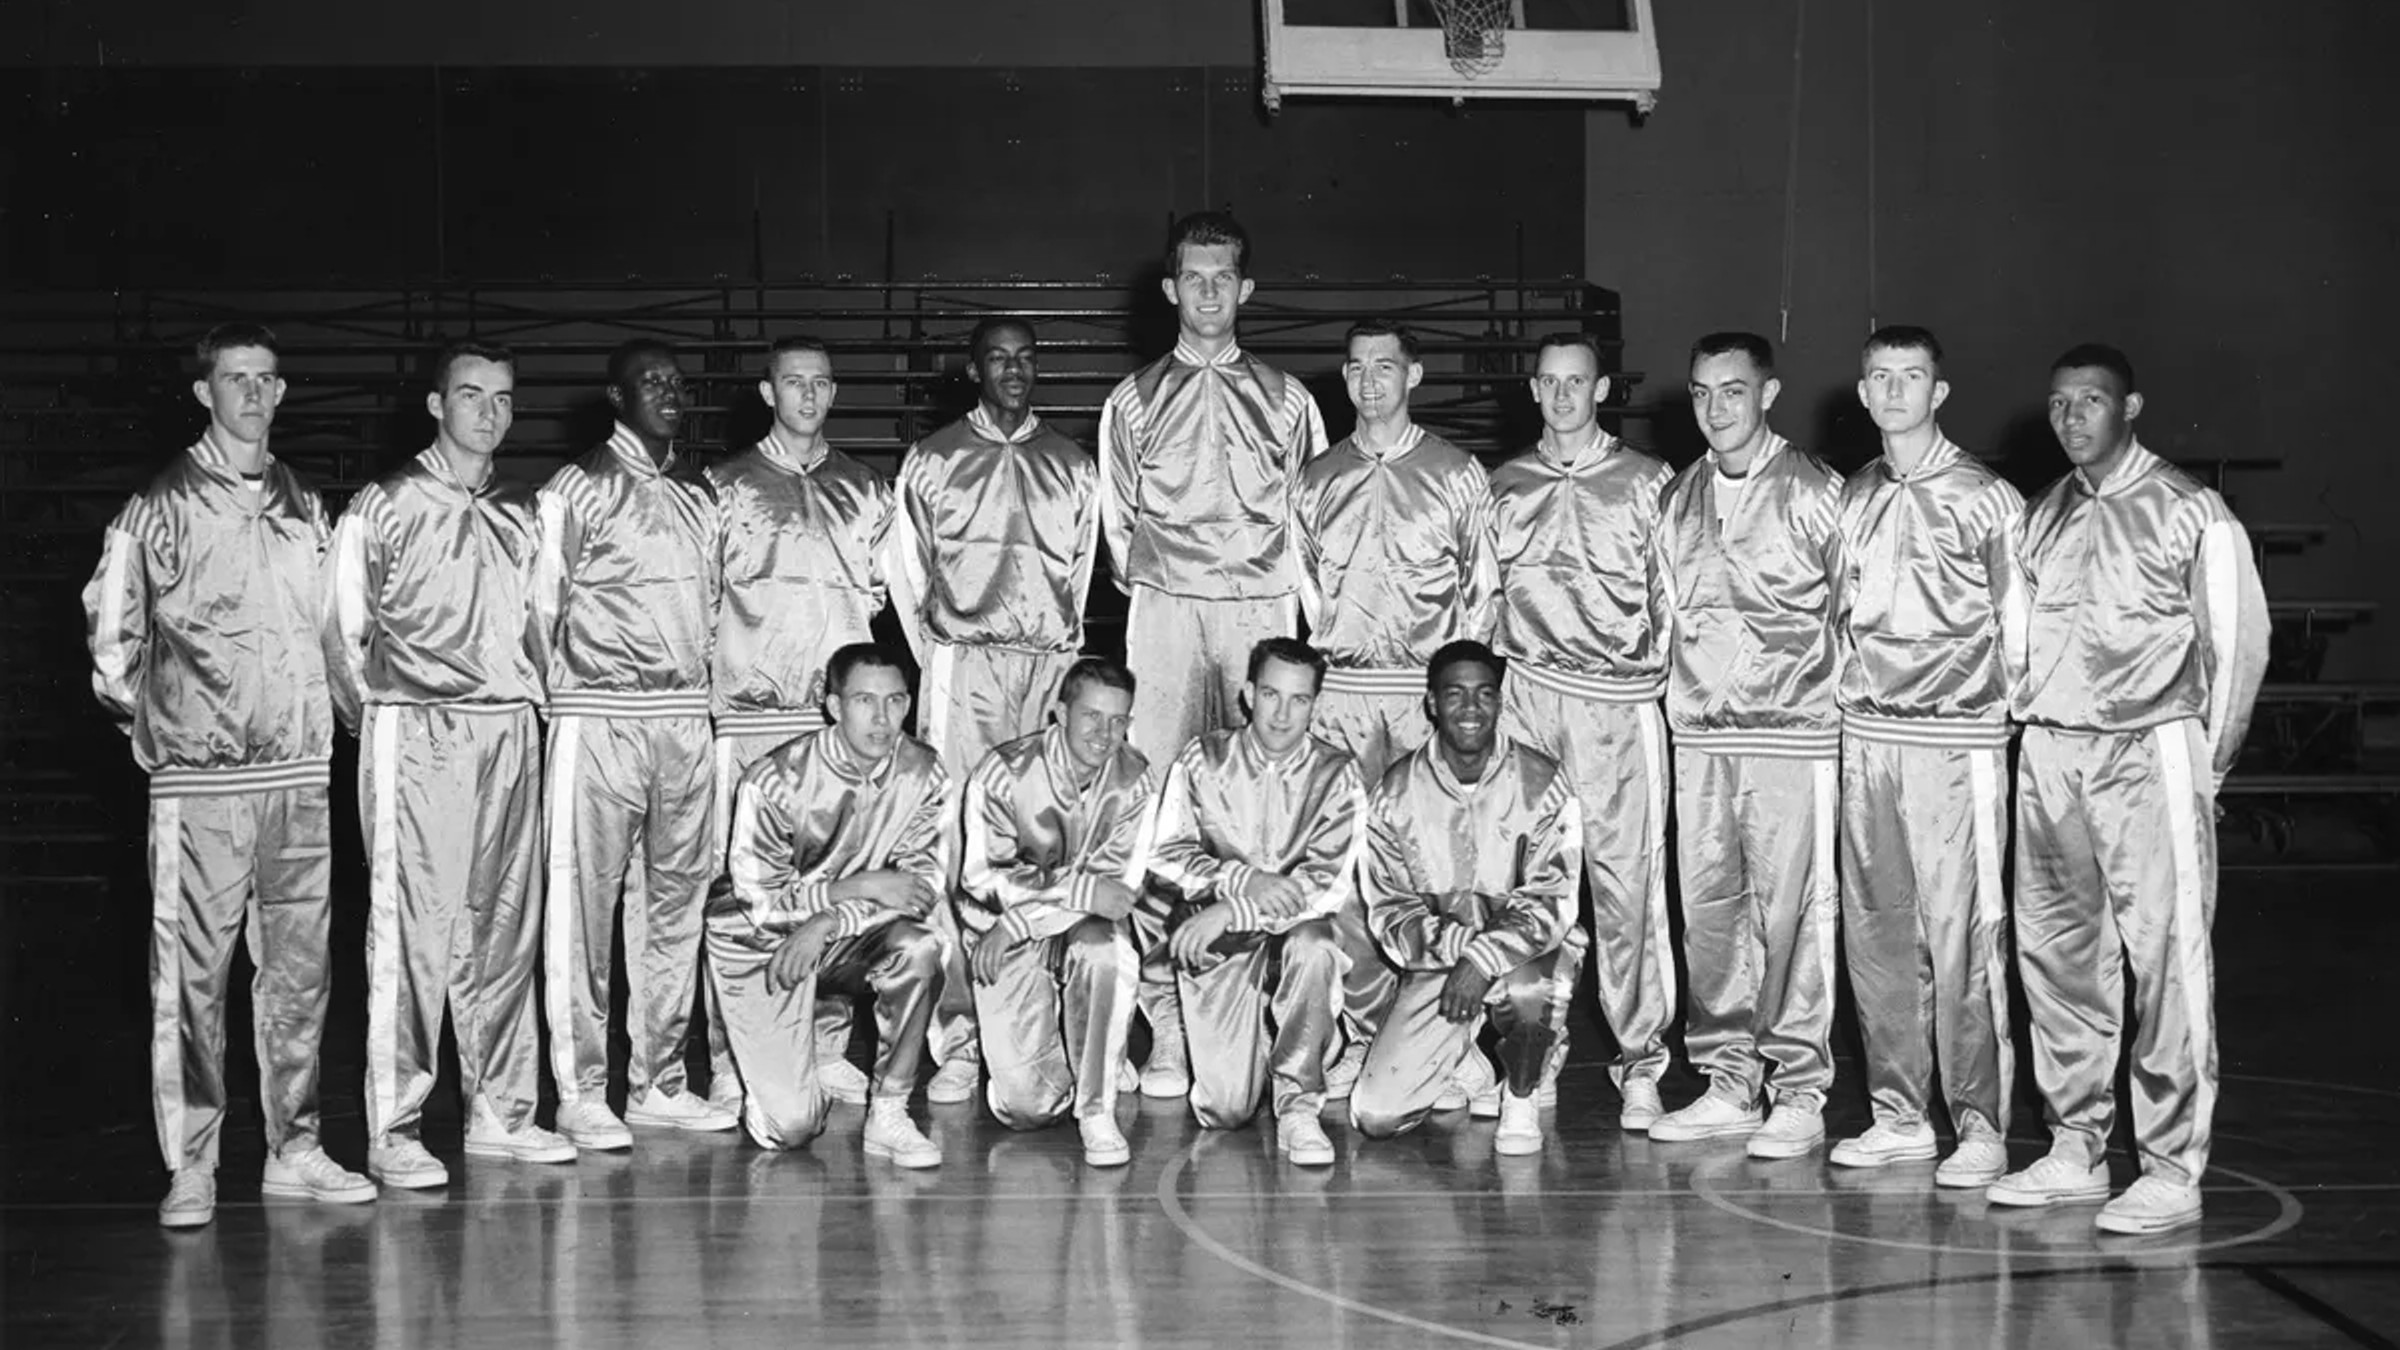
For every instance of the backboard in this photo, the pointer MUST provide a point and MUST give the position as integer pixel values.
(1593, 50)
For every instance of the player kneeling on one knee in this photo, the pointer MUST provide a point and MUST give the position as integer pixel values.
(1057, 827)
(838, 853)
(1473, 856)
(1257, 832)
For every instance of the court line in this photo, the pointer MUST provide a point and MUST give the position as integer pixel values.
(2358, 1332)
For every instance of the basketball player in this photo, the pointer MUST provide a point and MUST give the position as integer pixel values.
(1923, 597)
(1395, 539)
(841, 848)
(204, 623)
(802, 529)
(1198, 454)
(1470, 875)
(2147, 639)
(625, 591)
(1259, 830)
(1057, 841)
(432, 577)
(998, 527)
(1748, 545)
(1582, 624)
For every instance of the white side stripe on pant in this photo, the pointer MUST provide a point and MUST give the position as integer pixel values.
(383, 919)
(560, 911)
(166, 974)
(1654, 763)
(2187, 942)
(1991, 906)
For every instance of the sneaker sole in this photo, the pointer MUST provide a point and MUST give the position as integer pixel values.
(942, 1098)
(612, 1142)
(410, 1181)
(1777, 1150)
(293, 1190)
(1111, 1157)
(2016, 1199)
(1165, 1089)
(565, 1153)
(914, 1161)
(1516, 1145)
(649, 1121)
(1664, 1133)
(187, 1218)
(1638, 1124)
(2146, 1225)
(1842, 1156)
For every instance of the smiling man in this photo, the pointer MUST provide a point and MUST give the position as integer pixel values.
(624, 599)
(1057, 842)
(992, 553)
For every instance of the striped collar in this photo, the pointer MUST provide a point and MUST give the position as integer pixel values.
(1190, 355)
(1064, 770)
(1938, 456)
(1256, 752)
(981, 423)
(771, 447)
(1767, 454)
(2132, 467)
(1409, 440)
(1598, 448)
(847, 764)
(630, 450)
(437, 464)
(209, 455)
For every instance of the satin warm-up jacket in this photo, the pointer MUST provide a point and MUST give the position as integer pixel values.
(1395, 552)
(2146, 606)
(800, 551)
(1228, 811)
(995, 537)
(1439, 852)
(811, 813)
(1924, 599)
(205, 621)
(1583, 597)
(1751, 664)
(625, 584)
(431, 582)
(1197, 461)
(1037, 842)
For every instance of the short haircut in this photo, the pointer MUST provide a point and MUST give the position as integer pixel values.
(227, 336)
(857, 656)
(2099, 356)
(1760, 351)
(1292, 652)
(1202, 229)
(1553, 341)
(468, 349)
(1380, 328)
(793, 342)
(1900, 337)
(986, 327)
(1465, 649)
(620, 361)
(1098, 670)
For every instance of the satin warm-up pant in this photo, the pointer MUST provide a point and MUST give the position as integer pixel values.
(1292, 979)
(1615, 756)
(1418, 1051)
(218, 864)
(1923, 926)
(1754, 840)
(629, 812)
(1054, 1022)
(1379, 717)
(735, 753)
(774, 1033)
(2117, 863)
(449, 804)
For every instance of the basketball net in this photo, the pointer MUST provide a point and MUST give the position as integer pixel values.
(1473, 32)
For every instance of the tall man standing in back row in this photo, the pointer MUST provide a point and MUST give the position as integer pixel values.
(998, 528)
(1198, 454)
(1582, 622)
(1926, 590)
(1395, 539)
(1747, 535)
(2147, 637)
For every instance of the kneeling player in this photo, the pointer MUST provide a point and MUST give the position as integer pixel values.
(1056, 827)
(1258, 828)
(1474, 852)
(839, 850)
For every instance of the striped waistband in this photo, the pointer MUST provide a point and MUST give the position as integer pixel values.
(1603, 688)
(1766, 742)
(1948, 733)
(280, 776)
(481, 709)
(629, 703)
(1367, 680)
(769, 721)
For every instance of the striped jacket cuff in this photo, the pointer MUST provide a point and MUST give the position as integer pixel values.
(1485, 954)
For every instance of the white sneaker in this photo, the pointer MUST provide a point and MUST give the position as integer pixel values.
(1167, 1074)
(1887, 1142)
(1792, 1128)
(2150, 1205)
(1474, 1085)
(590, 1124)
(1129, 1078)
(1520, 1126)
(2054, 1179)
(1103, 1143)
(403, 1162)
(1713, 1116)
(1641, 1106)
(951, 1084)
(310, 1175)
(1975, 1162)
(725, 1092)
(893, 1137)
(679, 1111)
(1546, 1095)
(488, 1138)
(1302, 1138)
(1341, 1072)
(191, 1199)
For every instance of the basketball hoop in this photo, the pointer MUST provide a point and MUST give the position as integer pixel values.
(1474, 33)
